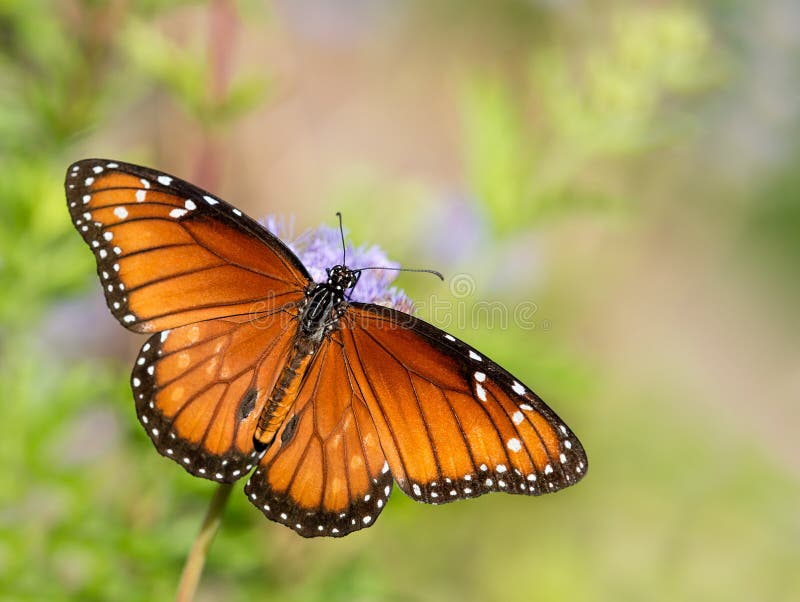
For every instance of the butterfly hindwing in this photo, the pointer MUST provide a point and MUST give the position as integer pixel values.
(170, 254)
(325, 474)
(199, 389)
(453, 423)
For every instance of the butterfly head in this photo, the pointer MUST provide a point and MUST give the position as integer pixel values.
(341, 278)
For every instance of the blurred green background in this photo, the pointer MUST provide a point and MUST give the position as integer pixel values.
(627, 171)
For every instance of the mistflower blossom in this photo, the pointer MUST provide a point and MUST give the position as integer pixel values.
(321, 248)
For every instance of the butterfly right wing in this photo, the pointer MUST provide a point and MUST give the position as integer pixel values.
(199, 389)
(453, 423)
(170, 254)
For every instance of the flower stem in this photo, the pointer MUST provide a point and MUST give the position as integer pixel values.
(193, 568)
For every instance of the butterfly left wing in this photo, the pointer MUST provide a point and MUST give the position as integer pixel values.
(452, 423)
(170, 254)
(325, 473)
(200, 389)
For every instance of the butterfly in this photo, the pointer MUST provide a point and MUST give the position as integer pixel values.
(253, 368)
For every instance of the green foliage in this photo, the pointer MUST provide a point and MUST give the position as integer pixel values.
(184, 73)
(41, 260)
(529, 148)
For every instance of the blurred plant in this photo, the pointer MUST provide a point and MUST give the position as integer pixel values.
(611, 98)
(182, 72)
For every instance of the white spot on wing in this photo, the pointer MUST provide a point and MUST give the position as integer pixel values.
(176, 213)
(164, 180)
(480, 377)
(210, 200)
(140, 195)
(121, 212)
(517, 418)
(480, 391)
(189, 204)
(518, 388)
(514, 444)
(475, 356)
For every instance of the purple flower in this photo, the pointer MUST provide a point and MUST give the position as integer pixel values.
(321, 248)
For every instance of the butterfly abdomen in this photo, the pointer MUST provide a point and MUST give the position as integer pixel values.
(285, 391)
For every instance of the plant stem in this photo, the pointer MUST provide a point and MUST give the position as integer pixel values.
(193, 568)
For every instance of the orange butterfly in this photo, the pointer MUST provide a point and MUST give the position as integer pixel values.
(253, 364)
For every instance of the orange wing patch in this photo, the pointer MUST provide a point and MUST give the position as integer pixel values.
(199, 389)
(168, 254)
(452, 422)
(325, 473)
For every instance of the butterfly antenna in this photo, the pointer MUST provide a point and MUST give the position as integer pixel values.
(341, 231)
(378, 267)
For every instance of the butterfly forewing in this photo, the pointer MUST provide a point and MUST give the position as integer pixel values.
(169, 254)
(325, 474)
(452, 423)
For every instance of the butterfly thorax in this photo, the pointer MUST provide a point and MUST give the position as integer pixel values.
(321, 310)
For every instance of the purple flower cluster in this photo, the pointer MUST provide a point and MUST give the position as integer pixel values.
(321, 248)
